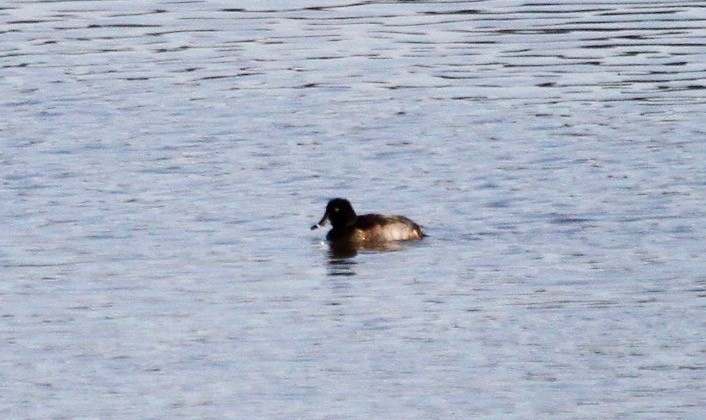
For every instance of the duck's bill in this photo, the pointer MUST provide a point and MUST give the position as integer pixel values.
(321, 223)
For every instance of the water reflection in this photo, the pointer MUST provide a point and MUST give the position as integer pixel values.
(346, 249)
(341, 264)
(342, 250)
(341, 254)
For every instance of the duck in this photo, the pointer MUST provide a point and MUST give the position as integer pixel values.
(372, 228)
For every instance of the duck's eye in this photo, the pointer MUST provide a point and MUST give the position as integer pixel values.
(335, 209)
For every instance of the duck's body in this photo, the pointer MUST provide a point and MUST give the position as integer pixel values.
(347, 226)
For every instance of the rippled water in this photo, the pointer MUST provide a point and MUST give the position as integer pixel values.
(161, 163)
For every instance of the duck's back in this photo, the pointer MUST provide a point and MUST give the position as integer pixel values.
(383, 228)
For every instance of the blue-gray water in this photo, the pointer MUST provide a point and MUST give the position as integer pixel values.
(162, 161)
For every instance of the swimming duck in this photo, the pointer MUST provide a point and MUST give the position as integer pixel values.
(368, 228)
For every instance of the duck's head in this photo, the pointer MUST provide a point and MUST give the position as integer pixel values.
(339, 212)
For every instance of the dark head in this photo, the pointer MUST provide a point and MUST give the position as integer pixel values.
(339, 212)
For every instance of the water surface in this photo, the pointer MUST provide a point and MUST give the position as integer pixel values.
(161, 163)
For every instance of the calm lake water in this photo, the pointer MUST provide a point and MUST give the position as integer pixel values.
(162, 161)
